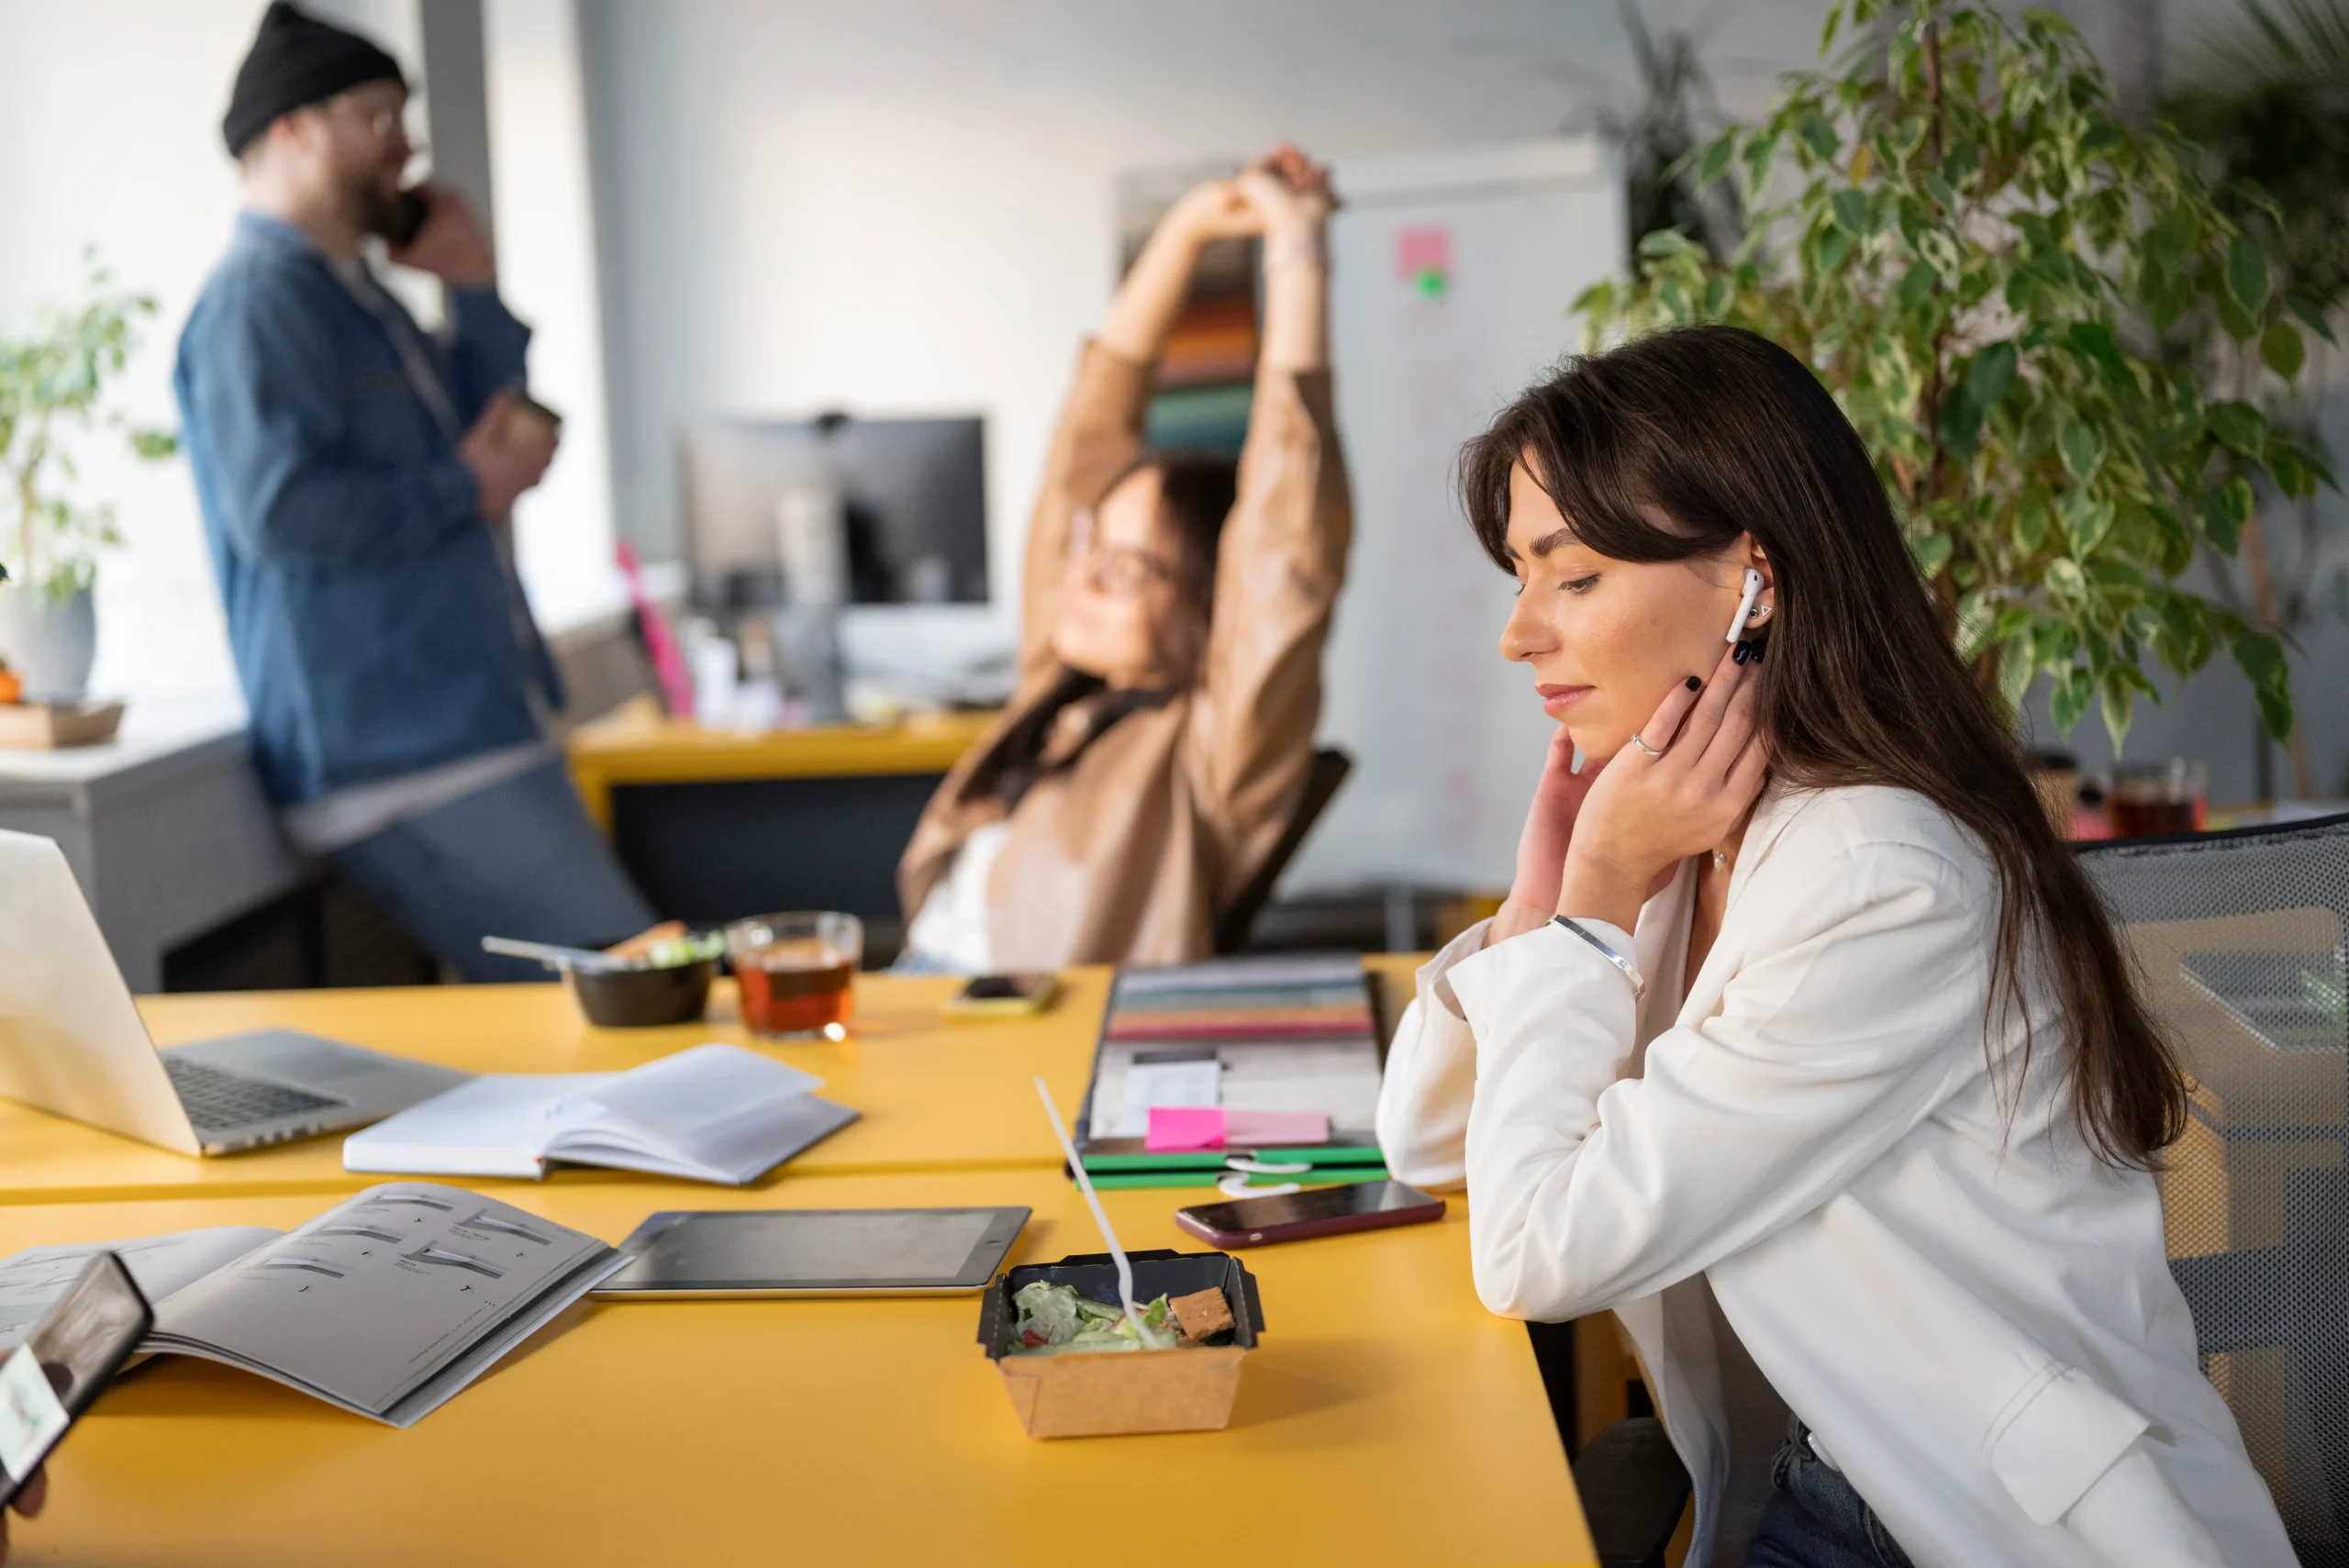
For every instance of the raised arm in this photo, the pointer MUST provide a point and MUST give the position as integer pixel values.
(1282, 554)
(1101, 427)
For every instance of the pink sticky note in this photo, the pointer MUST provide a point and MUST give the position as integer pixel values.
(1184, 1130)
(1274, 1130)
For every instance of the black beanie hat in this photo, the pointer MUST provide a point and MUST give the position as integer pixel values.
(297, 61)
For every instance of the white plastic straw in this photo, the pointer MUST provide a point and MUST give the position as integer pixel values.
(1093, 1201)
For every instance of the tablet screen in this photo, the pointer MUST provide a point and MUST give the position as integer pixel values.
(843, 1250)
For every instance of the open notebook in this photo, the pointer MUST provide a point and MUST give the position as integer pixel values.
(716, 1113)
(387, 1304)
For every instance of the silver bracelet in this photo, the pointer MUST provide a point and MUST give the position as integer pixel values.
(1630, 971)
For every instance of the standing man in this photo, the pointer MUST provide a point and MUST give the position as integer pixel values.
(357, 479)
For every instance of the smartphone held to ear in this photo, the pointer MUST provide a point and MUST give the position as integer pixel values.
(405, 219)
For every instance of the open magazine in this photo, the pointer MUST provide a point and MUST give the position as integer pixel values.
(387, 1304)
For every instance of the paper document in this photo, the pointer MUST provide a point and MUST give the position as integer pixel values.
(1189, 1081)
(715, 1112)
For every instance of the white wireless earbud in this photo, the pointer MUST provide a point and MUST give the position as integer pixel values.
(1745, 605)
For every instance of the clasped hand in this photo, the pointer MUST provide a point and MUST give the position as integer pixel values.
(1600, 843)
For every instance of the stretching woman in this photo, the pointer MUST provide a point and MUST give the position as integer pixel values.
(1801, 1043)
(1170, 651)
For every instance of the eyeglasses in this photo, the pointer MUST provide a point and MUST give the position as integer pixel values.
(385, 123)
(1115, 568)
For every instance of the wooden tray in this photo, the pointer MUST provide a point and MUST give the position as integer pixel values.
(44, 727)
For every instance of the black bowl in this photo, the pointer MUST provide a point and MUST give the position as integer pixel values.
(644, 998)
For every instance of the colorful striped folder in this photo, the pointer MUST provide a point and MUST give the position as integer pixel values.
(1275, 1034)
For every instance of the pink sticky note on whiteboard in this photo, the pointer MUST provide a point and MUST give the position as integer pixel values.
(1184, 1130)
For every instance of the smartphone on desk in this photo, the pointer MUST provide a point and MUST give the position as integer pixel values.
(995, 996)
(1321, 1211)
(65, 1364)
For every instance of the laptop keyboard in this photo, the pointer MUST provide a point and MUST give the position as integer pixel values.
(223, 1101)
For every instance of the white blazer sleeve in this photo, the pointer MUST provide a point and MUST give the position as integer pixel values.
(1846, 1022)
(1431, 1078)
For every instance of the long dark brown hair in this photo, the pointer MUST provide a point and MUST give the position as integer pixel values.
(1196, 492)
(1671, 446)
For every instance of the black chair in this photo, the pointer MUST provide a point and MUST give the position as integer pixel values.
(1232, 928)
(1633, 1492)
(2242, 941)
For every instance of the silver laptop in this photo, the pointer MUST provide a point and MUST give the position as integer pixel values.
(71, 1041)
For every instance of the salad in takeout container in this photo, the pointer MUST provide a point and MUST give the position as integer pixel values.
(1078, 1365)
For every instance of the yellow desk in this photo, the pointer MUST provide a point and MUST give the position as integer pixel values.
(638, 744)
(934, 1095)
(1387, 1419)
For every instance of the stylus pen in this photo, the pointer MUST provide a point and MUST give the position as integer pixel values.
(1093, 1201)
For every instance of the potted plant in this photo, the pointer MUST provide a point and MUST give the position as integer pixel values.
(1954, 230)
(2267, 95)
(52, 390)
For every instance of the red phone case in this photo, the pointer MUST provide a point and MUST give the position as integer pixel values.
(1418, 1214)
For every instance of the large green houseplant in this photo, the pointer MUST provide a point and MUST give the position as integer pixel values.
(54, 386)
(1955, 231)
(2265, 93)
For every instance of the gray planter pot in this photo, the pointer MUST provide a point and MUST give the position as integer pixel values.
(50, 643)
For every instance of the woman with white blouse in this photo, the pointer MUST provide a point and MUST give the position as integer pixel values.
(1801, 1042)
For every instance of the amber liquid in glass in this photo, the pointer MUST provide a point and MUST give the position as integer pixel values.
(789, 993)
(2142, 818)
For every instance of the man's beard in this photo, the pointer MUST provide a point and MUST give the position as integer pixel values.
(379, 211)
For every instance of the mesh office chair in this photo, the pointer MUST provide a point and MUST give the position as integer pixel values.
(2242, 942)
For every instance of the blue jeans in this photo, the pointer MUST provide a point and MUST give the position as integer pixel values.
(518, 858)
(1814, 1518)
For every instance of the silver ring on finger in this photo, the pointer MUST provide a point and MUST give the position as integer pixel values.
(1643, 746)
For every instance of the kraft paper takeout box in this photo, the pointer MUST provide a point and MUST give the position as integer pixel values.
(1134, 1391)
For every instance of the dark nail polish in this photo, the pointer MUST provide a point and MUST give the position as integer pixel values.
(1694, 685)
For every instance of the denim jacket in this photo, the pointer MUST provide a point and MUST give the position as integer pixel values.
(371, 615)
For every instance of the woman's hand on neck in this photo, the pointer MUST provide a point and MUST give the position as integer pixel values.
(1646, 813)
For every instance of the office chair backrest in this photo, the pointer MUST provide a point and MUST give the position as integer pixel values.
(2240, 939)
(1330, 768)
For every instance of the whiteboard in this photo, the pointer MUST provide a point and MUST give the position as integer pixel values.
(1447, 737)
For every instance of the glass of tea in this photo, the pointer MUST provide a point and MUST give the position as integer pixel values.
(793, 971)
(2147, 798)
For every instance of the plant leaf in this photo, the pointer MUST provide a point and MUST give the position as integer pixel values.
(2240, 426)
(2282, 349)
(2246, 275)
(2309, 312)
(2083, 447)
(2115, 698)
(2070, 698)
(1987, 377)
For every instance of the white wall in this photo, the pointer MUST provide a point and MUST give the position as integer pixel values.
(905, 205)
(547, 273)
(110, 135)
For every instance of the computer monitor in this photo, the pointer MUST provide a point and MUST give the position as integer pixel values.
(915, 493)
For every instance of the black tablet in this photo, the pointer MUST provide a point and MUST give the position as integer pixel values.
(814, 1252)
